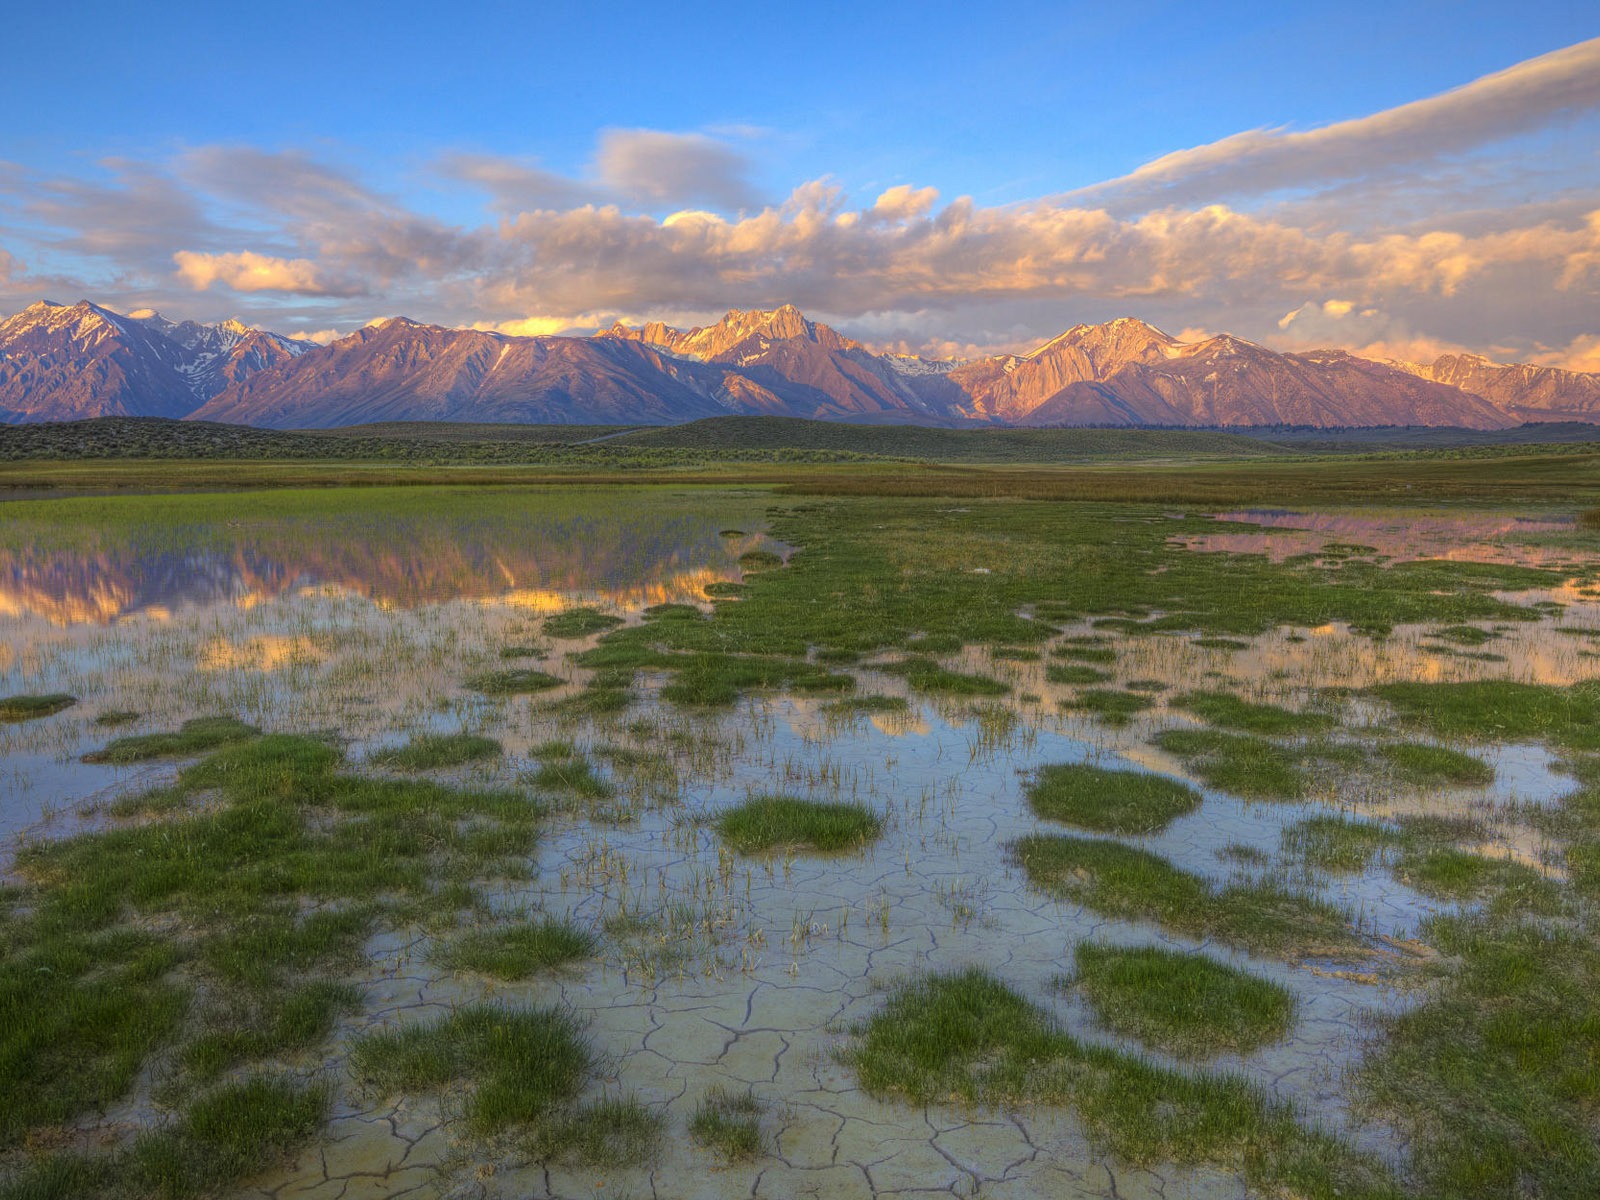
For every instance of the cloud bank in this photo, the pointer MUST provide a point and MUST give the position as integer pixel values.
(1294, 237)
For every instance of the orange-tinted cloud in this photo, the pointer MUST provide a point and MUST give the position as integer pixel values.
(246, 271)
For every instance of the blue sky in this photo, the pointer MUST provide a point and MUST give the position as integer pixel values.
(313, 166)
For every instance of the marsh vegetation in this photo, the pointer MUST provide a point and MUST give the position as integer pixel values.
(515, 840)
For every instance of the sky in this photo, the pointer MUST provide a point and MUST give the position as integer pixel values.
(1399, 179)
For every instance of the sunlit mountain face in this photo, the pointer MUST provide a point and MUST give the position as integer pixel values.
(61, 362)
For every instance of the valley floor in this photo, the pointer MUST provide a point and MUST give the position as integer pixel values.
(1173, 828)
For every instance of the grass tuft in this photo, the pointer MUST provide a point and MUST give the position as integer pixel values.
(193, 737)
(1110, 801)
(1181, 1001)
(1136, 885)
(518, 951)
(31, 708)
(431, 751)
(790, 823)
(521, 1064)
(728, 1123)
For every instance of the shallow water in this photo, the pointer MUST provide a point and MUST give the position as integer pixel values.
(296, 625)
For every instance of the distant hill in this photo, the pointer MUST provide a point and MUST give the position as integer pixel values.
(950, 445)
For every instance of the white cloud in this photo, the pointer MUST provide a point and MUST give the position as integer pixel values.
(246, 271)
(1524, 97)
(653, 167)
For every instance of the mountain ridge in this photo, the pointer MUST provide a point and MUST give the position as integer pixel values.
(74, 361)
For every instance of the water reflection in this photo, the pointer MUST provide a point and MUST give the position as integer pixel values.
(535, 559)
(1396, 535)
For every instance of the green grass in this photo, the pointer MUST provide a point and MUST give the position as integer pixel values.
(1230, 712)
(1109, 801)
(1074, 674)
(1239, 763)
(967, 1037)
(759, 560)
(728, 1123)
(521, 1065)
(789, 823)
(1104, 655)
(113, 717)
(1495, 1076)
(512, 683)
(221, 1139)
(1014, 654)
(1464, 635)
(579, 623)
(862, 706)
(261, 898)
(608, 1133)
(924, 675)
(1181, 1001)
(277, 1023)
(1109, 705)
(570, 774)
(1339, 844)
(431, 751)
(31, 708)
(709, 680)
(1419, 853)
(1135, 885)
(192, 737)
(518, 951)
(1495, 710)
(1423, 765)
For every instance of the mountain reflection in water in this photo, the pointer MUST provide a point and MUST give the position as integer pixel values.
(536, 559)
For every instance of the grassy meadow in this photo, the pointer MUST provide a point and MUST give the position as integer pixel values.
(788, 808)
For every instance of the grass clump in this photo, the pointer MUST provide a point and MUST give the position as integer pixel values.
(1109, 705)
(1238, 763)
(1181, 1002)
(1338, 844)
(520, 1065)
(1109, 801)
(759, 560)
(1496, 710)
(728, 1123)
(1463, 635)
(223, 1138)
(562, 769)
(31, 708)
(192, 737)
(512, 683)
(1431, 766)
(1136, 885)
(1074, 674)
(280, 1022)
(431, 751)
(1230, 712)
(1014, 654)
(113, 717)
(1077, 652)
(1496, 1075)
(612, 1132)
(925, 675)
(788, 822)
(863, 706)
(579, 623)
(716, 680)
(518, 951)
(966, 1036)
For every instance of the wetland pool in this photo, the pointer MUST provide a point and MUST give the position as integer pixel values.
(361, 621)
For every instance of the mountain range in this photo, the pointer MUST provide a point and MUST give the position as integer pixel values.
(65, 362)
